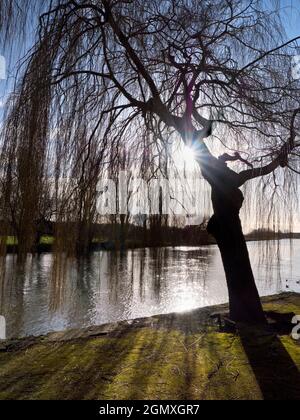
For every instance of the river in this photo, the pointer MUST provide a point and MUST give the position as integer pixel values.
(109, 286)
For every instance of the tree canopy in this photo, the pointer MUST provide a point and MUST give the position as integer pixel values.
(115, 83)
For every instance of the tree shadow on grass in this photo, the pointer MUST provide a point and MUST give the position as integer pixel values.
(274, 369)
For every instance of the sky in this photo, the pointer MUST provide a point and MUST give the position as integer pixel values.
(291, 15)
(290, 11)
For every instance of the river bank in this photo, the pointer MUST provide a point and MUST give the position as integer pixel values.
(47, 245)
(188, 355)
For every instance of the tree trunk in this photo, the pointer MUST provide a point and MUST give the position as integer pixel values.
(225, 226)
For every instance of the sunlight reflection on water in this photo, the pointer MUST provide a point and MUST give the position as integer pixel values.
(110, 287)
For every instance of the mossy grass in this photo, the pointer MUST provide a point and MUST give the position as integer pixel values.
(178, 356)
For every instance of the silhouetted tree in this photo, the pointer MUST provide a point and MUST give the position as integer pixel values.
(212, 72)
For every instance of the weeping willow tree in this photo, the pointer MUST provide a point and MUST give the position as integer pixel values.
(107, 75)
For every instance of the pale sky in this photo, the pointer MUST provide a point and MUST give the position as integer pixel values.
(290, 10)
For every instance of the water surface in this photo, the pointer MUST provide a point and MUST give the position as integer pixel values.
(110, 286)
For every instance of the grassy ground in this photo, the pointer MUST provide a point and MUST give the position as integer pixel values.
(45, 240)
(179, 356)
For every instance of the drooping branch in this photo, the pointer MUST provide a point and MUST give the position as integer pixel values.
(236, 157)
(266, 54)
(281, 159)
(141, 76)
(128, 48)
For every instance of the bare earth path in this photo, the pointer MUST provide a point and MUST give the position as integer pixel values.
(177, 356)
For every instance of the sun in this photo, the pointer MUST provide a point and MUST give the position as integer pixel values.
(188, 154)
(185, 156)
